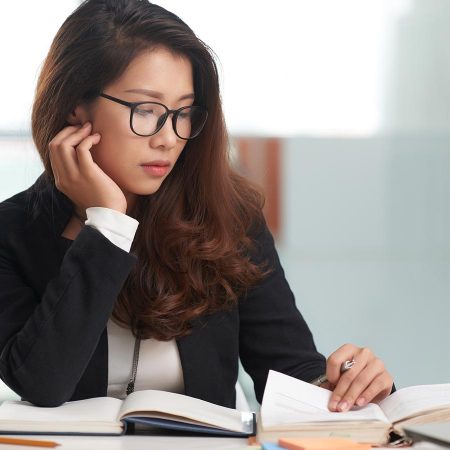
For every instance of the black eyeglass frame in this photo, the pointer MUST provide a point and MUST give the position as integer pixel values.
(176, 113)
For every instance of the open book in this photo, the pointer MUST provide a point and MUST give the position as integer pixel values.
(293, 408)
(109, 416)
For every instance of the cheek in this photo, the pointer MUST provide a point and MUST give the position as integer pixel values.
(98, 154)
(113, 147)
(109, 155)
(114, 130)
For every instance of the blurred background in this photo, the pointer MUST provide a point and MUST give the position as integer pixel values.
(341, 112)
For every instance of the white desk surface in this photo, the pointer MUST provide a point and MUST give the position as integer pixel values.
(135, 443)
(156, 442)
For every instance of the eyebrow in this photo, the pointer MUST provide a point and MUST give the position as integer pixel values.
(157, 94)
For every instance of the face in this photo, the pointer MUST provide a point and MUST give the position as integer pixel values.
(121, 153)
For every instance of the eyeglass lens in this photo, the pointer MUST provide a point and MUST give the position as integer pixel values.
(147, 119)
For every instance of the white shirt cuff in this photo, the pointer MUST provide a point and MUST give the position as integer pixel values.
(114, 225)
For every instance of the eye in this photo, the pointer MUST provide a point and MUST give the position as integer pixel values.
(147, 111)
(185, 113)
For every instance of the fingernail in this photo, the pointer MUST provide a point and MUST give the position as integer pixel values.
(343, 406)
(86, 124)
(361, 401)
(333, 405)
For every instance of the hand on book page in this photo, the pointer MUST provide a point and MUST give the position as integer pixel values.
(367, 381)
(289, 400)
(292, 408)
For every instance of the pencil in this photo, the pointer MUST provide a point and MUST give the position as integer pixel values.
(30, 442)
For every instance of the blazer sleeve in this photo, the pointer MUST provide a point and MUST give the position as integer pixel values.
(273, 333)
(46, 343)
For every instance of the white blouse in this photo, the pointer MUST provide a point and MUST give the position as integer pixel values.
(159, 365)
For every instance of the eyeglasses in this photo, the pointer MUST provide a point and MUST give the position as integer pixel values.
(147, 118)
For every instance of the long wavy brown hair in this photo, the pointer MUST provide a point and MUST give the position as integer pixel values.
(194, 241)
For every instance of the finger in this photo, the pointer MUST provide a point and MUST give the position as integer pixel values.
(343, 385)
(83, 153)
(64, 154)
(64, 133)
(362, 359)
(379, 388)
(61, 169)
(74, 138)
(334, 361)
(55, 144)
(364, 379)
(65, 162)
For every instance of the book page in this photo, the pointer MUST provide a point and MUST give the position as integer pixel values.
(414, 400)
(289, 400)
(101, 409)
(177, 406)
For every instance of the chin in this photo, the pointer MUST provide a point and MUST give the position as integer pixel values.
(145, 190)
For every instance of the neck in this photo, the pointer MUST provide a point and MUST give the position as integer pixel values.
(131, 201)
(79, 215)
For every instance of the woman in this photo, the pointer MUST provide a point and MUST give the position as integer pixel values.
(139, 258)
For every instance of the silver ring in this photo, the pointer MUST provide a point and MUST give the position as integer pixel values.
(347, 365)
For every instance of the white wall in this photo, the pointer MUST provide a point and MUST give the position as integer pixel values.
(366, 247)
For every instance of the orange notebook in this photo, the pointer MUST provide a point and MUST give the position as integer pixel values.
(322, 444)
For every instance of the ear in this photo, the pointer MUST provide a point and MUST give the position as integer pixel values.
(78, 116)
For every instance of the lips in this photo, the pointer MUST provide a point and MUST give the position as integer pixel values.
(158, 168)
(158, 163)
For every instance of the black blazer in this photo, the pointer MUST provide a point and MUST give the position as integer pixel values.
(56, 296)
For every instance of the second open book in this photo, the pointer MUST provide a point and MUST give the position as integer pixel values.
(293, 408)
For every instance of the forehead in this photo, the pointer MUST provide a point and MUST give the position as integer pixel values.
(159, 70)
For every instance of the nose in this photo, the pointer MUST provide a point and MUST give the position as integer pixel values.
(165, 138)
